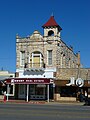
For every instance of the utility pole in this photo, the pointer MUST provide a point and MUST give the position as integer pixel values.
(78, 73)
(78, 55)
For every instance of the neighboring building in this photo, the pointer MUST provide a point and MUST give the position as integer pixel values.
(42, 62)
(4, 75)
(72, 82)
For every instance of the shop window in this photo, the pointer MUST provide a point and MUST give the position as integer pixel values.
(22, 89)
(39, 91)
(10, 90)
(32, 89)
(68, 91)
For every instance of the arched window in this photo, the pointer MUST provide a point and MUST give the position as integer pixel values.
(36, 59)
(50, 33)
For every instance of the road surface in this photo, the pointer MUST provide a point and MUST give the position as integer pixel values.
(12, 111)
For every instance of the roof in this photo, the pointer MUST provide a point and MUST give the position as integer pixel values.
(51, 22)
(36, 34)
(3, 78)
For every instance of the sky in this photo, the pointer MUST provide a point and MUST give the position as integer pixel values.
(22, 17)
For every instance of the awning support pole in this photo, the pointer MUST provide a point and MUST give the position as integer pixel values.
(7, 91)
(48, 93)
(27, 92)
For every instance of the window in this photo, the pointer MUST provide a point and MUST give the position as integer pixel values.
(22, 58)
(21, 89)
(49, 57)
(10, 89)
(68, 91)
(37, 59)
(69, 62)
(50, 33)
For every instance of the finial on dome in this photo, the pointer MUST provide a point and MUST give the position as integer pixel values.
(52, 14)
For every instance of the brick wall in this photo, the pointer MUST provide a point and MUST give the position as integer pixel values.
(66, 73)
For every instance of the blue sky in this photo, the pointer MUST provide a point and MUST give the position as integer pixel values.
(25, 16)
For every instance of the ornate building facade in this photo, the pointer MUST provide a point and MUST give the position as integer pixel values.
(43, 62)
(48, 50)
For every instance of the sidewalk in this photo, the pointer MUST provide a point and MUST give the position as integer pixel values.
(42, 102)
(66, 103)
(22, 102)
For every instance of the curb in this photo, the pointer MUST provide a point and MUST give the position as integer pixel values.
(23, 102)
(41, 102)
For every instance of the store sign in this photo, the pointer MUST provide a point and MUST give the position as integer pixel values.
(27, 81)
(79, 82)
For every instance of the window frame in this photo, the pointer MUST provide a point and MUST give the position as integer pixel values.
(49, 57)
(22, 58)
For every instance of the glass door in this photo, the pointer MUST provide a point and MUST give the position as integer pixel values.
(21, 93)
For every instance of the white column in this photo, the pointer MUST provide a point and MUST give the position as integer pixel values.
(7, 91)
(32, 59)
(27, 92)
(48, 93)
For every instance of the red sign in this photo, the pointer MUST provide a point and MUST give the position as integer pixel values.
(28, 81)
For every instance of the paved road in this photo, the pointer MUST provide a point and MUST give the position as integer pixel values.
(11, 111)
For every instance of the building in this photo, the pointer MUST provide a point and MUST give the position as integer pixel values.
(43, 63)
(4, 75)
(72, 82)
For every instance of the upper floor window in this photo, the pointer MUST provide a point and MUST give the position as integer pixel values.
(50, 33)
(37, 59)
(61, 60)
(69, 63)
(49, 57)
(22, 58)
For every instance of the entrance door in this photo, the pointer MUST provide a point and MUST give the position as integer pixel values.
(37, 92)
(21, 93)
(40, 92)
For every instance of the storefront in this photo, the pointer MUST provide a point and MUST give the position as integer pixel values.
(29, 88)
(69, 90)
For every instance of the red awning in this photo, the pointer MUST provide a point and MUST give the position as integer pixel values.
(28, 81)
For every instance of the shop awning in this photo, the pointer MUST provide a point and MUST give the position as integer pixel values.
(28, 81)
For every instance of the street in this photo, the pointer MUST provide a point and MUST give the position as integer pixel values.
(13, 111)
